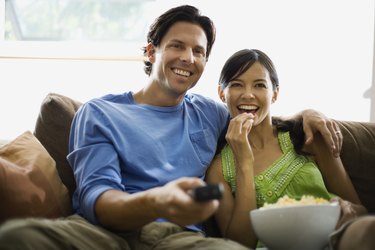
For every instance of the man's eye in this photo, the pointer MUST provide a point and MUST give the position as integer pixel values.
(200, 52)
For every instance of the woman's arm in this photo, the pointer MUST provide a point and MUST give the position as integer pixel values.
(215, 175)
(333, 171)
(337, 181)
(233, 215)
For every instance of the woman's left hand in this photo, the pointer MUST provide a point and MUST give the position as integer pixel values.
(349, 211)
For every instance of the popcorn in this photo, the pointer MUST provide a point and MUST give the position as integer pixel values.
(287, 201)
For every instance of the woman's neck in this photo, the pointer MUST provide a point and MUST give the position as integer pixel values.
(262, 135)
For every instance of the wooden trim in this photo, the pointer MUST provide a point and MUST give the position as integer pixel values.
(372, 88)
(84, 58)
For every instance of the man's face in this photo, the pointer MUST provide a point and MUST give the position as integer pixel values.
(179, 60)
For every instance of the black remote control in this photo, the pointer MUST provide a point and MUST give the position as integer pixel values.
(208, 192)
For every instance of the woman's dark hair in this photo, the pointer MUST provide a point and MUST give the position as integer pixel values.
(238, 64)
(296, 133)
(185, 13)
(241, 61)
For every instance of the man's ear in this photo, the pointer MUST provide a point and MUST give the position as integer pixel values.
(221, 93)
(150, 49)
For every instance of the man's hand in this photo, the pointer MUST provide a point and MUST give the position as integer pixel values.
(314, 121)
(171, 201)
(174, 202)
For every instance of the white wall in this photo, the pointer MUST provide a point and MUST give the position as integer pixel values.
(322, 49)
(25, 83)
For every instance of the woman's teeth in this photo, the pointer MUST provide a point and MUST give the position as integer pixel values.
(248, 108)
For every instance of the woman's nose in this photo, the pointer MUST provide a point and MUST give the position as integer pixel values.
(248, 92)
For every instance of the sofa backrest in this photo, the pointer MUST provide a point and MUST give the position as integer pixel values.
(358, 157)
(358, 151)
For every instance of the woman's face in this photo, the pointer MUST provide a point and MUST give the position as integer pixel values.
(250, 92)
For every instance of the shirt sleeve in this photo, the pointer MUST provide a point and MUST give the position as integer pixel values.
(93, 159)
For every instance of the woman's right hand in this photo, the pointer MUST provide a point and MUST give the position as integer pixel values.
(237, 134)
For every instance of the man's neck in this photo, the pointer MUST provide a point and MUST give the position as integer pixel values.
(153, 95)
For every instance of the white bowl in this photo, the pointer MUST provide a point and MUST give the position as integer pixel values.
(299, 227)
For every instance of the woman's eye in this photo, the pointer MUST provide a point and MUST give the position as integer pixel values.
(235, 84)
(261, 85)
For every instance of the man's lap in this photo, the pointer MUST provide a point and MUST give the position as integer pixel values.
(74, 232)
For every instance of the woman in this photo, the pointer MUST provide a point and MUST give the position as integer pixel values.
(266, 158)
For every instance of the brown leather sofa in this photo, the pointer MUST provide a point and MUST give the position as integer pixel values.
(358, 151)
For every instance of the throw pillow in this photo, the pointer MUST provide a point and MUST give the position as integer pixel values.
(53, 128)
(29, 183)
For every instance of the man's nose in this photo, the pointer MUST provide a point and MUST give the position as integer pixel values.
(187, 56)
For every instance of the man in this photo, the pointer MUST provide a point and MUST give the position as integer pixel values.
(136, 156)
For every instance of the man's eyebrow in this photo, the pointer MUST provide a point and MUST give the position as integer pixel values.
(181, 42)
(176, 41)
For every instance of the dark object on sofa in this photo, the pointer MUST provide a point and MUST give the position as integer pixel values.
(358, 151)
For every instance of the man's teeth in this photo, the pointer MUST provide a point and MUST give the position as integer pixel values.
(182, 72)
(248, 107)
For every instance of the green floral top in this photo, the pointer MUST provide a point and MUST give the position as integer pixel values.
(292, 174)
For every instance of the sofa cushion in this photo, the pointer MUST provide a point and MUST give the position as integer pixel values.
(52, 130)
(358, 157)
(29, 182)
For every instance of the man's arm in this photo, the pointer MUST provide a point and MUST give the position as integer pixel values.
(315, 121)
(119, 210)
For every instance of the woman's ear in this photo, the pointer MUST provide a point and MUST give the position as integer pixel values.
(221, 93)
(275, 94)
(150, 49)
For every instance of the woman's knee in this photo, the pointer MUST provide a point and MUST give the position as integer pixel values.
(359, 234)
